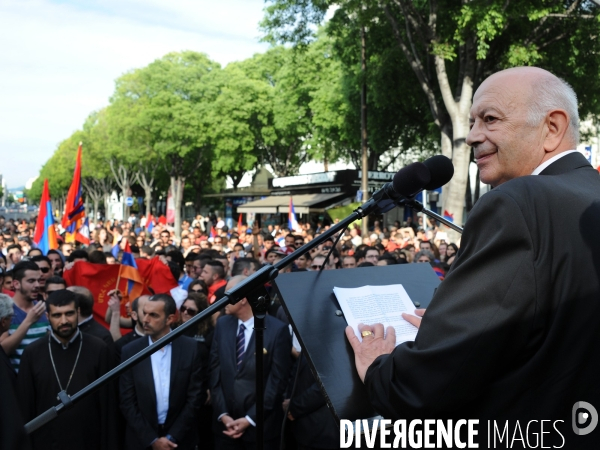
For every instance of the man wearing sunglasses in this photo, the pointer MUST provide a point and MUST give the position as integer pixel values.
(45, 266)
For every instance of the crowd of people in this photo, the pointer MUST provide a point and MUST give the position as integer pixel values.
(199, 390)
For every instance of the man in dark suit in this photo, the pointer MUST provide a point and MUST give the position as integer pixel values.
(232, 376)
(161, 395)
(512, 332)
(87, 323)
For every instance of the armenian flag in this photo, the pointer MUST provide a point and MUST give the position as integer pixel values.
(129, 271)
(45, 234)
(74, 219)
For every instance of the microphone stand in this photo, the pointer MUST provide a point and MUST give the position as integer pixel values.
(418, 206)
(252, 288)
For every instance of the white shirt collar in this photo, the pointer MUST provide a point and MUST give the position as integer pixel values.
(86, 320)
(539, 169)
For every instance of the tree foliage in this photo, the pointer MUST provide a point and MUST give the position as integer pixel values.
(450, 47)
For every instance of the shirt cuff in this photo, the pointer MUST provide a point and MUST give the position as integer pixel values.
(251, 421)
(221, 416)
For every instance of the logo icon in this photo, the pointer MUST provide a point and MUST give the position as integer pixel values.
(584, 413)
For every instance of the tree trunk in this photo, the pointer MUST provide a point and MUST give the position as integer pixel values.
(177, 185)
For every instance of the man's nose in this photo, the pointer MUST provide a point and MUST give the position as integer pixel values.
(475, 135)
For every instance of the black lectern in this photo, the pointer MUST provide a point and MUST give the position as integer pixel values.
(315, 315)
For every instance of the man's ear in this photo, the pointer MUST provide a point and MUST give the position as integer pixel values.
(557, 123)
(171, 319)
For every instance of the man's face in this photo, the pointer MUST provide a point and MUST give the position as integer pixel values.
(46, 272)
(165, 236)
(349, 262)
(271, 257)
(506, 146)
(197, 269)
(156, 323)
(372, 256)
(302, 262)
(50, 288)
(15, 255)
(8, 283)
(290, 241)
(317, 263)
(269, 244)
(29, 286)
(425, 246)
(63, 320)
(207, 275)
(185, 243)
(189, 268)
(67, 249)
(57, 263)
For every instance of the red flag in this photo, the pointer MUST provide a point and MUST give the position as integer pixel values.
(99, 279)
(239, 227)
(156, 275)
(74, 216)
(213, 232)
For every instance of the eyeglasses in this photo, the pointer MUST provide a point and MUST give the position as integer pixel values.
(197, 290)
(45, 269)
(327, 248)
(299, 242)
(315, 267)
(190, 311)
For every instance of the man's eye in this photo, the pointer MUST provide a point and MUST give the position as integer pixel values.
(489, 118)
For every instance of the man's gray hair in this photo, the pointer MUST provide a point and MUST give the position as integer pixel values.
(551, 93)
(6, 306)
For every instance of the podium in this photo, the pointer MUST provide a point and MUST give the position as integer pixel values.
(318, 322)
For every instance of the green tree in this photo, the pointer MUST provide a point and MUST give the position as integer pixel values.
(238, 113)
(164, 107)
(452, 46)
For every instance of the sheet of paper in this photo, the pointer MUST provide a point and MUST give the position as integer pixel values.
(378, 304)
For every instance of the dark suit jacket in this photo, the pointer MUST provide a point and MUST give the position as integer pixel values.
(314, 425)
(234, 391)
(138, 395)
(95, 329)
(10, 372)
(513, 331)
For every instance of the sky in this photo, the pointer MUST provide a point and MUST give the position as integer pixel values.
(59, 60)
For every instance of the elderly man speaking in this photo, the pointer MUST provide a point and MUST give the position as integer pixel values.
(513, 333)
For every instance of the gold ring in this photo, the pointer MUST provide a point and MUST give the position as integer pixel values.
(366, 333)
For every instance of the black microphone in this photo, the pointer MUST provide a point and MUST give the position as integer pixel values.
(441, 170)
(409, 181)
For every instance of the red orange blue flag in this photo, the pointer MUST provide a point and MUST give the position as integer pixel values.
(74, 221)
(129, 271)
(45, 234)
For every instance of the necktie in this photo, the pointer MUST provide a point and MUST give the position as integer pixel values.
(241, 341)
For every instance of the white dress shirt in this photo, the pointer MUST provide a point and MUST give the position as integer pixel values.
(249, 324)
(539, 169)
(161, 372)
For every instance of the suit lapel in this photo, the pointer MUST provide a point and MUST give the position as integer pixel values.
(146, 368)
(175, 359)
(567, 163)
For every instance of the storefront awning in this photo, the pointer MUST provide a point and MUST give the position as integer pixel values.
(303, 204)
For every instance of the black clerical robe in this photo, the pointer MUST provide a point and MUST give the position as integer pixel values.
(91, 423)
